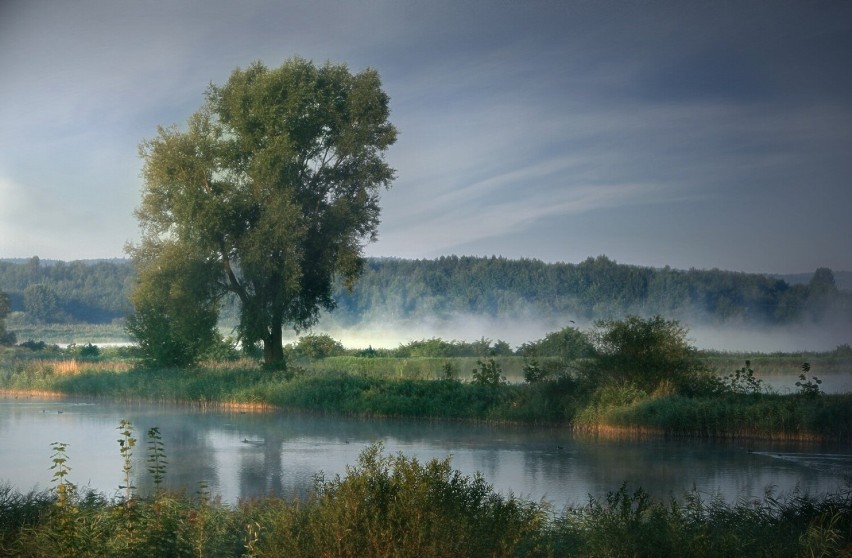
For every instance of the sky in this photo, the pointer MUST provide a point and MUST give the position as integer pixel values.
(713, 134)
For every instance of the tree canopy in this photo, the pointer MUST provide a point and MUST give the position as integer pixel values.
(270, 192)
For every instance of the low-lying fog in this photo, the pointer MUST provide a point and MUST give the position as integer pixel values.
(735, 338)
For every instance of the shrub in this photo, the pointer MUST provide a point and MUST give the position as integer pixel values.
(317, 346)
(645, 352)
(568, 344)
(488, 373)
(743, 380)
(808, 388)
(89, 351)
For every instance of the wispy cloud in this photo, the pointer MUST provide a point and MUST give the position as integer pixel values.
(697, 130)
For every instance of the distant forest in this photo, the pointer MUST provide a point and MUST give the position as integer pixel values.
(96, 291)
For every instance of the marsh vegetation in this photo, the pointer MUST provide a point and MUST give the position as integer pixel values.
(392, 505)
(569, 379)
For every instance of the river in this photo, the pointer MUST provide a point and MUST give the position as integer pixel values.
(241, 455)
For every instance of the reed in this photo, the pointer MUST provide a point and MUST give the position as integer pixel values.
(376, 390)
(392, 505)
(766, 416)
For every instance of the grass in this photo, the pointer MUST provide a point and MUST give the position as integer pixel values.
(765, 416)
(420, 388)
(68, 333)
(391, 505)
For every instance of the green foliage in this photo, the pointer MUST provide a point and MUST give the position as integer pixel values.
(534, 372)
(317, 346)
(808, 388)
(448, 371)
(568, 344)
(488, 373)
(156, 458)
(743, 380)
(6, 337)
(42, 305)
(392, 505)
(765, 416)
(126, 444)
(645, 352)
(274, 185)
(90, 291)
(96, 291)
(89, 351)
(175, 319)
(34, 345)
(597, 288)
(63, 488)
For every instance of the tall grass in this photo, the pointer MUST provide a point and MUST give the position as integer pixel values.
(765, 416)
(392, 505)
(371, 387)
(415, 368)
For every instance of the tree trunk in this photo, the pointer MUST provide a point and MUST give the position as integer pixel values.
(273, 347)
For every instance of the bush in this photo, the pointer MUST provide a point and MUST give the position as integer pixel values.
(645, 352)
(488, 373)
(317, 347)
(568, 344)
(89, 351)
(395, 506)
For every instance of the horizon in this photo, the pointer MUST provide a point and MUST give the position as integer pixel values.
(128, 259)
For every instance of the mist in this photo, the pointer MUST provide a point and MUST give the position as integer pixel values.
(390, 333)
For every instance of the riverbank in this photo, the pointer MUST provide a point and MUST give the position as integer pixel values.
(606, 410)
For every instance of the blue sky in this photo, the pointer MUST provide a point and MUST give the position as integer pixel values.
(689, 134)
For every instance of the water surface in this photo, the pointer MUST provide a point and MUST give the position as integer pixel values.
(241, 455)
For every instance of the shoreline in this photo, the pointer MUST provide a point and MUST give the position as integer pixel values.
(202, 405)
(598, 430)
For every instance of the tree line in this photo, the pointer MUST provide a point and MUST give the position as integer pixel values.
(83, 291)
(597, 288)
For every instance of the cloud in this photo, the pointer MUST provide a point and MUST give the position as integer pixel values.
(515, 118)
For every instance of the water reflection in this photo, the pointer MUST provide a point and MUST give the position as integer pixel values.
(248, 455)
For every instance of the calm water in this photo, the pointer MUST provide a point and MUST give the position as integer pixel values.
(245, 455)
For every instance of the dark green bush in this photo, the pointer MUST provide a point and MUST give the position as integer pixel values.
(645, 352)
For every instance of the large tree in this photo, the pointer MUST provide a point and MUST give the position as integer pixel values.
(273, 189)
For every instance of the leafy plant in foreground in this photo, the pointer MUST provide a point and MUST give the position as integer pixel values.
(63, 488)
(488, 373)
(126, 444)
(156, 458)
(743, 380)
(808, 388)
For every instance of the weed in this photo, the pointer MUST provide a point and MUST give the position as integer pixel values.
(808, 388)
(156, 458)
(743, 380)
(126, 444)
(488, 373)
(392, 505)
